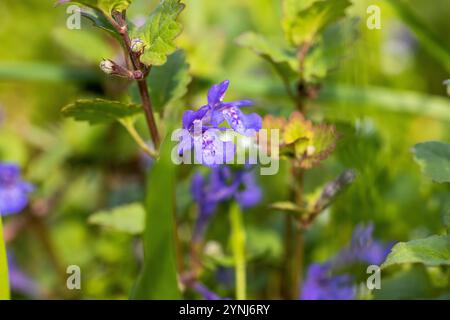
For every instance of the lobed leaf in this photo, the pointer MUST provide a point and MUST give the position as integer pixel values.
(160, 31)
(432, 251)
(100, 111)
(283, 59)
(128, 218)
(304, 26)
(434, 159)
(301, 140)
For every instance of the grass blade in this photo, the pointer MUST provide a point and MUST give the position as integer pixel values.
(158, 279)
(4, 280)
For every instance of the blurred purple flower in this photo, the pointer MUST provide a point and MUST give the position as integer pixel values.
(203, 126)
(20, 281)
(13, 190)
(222, 184)
(205, 292)
(321, 285)
(362, 248)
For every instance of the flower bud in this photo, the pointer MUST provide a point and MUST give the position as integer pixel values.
(137, 45)
(107, 66)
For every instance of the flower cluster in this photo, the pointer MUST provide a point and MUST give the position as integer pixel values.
(321, 284)
(203, 127)
(13, 190)
(222, 184)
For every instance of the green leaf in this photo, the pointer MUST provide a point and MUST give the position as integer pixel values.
(434, 159)
(100, 111)
(99, 20)
(307, 23)
(312, 144)
(158, 279)
(432, 251)
(283, 59)
(331, 48)
(107, 6)
(413, 283)
(160, 31)
(167, 83)
(4, 279)
(128, 218)
(286, 206)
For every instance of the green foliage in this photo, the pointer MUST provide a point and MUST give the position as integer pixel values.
(100, 21)
(409, 284)
(158, 278)
(160, 31)
(304, 26)
(107, 6)
(4, 279)
(432, 251)
(283, 59)
(167, 83)
(435, 45)
(128, 218)
(301, 140)
(434, 159)
(100, 111)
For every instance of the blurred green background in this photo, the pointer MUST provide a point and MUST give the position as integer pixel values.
(385, 96)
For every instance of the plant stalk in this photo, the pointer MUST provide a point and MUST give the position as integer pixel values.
(142, 83)
(238, 248)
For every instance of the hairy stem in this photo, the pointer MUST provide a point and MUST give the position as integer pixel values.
(121, 27)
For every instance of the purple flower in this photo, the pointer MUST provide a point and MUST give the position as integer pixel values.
(13, 190)
(321, 285)
(205, 292)
(19, 281)
(203, 127)
(230, 111)
(222, 184)
(363, 248)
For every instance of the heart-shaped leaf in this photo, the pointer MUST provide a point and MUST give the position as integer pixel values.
(307, 23)
(432, 251)
(434, 159)
(283, 60)
(128, 218)
(160, 31)
(100, 111)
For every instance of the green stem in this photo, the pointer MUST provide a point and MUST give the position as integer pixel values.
(138, 139)
(4, 279)
(238, 248)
